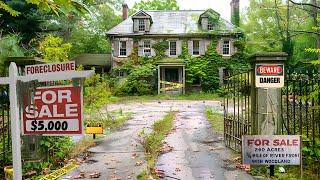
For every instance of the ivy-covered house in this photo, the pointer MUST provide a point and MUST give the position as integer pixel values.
(173, 35)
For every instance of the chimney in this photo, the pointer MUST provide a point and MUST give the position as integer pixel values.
(125, 12)
(235, 12)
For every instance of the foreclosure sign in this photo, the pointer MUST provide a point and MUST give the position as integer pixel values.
(50, 68)
(269, 75)
(54, 111)
(271, 150)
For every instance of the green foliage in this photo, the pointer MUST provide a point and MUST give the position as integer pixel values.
(57, 148)
(8, 9)
(204, 67)
(60, 6)
(141, 72)
(215, 118)
(84, 41)
(9, 47)
(154, 5)
(54, 49)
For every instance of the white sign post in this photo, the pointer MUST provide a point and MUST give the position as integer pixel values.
(14, 108)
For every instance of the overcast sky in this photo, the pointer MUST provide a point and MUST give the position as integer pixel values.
(221, 6)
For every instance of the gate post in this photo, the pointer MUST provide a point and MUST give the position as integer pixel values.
(266, 102)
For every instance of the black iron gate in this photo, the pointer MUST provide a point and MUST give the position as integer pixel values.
(300, 107)
(237, 105)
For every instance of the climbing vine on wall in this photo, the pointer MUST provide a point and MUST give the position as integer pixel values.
(141, 79)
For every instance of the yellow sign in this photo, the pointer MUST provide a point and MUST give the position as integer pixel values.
(95, 128)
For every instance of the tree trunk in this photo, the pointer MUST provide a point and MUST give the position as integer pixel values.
(315, 22)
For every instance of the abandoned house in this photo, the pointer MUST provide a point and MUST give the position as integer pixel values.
(147, 27)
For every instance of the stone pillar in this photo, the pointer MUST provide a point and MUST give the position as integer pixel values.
(266, 102)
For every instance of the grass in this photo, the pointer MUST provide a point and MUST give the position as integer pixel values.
(113, 121)
(192, 96)
(215, 118)
(153, 143)
(80, 147)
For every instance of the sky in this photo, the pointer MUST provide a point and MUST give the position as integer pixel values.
(221, 6)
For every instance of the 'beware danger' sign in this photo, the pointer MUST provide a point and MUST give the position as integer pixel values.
(54, 111)
(271, 150)
(269, 75)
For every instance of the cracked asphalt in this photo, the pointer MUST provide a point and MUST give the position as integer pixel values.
(198, 152)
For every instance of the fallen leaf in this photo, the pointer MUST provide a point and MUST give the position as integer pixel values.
(139, 163)
(81, 175)
(95, 175)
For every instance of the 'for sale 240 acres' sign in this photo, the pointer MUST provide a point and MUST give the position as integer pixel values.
(271, 150)
(54, 111)
(269, 75)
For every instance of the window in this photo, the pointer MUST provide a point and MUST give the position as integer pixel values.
(121, 74)
(142, 25)
(147, 48)
(196, 47)
(226, 48)
(210, 26)
(173, 48)
(123, 48)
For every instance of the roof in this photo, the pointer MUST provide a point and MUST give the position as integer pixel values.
(23, 61)
(179, 22)
(93, 60)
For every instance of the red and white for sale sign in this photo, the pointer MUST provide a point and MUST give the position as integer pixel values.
(54, 111)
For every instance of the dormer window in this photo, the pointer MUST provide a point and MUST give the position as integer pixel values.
(141, 22)
(210, 26)
(142, 25)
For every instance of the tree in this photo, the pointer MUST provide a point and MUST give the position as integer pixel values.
(54, 49)
(272, 25)
(155, 5)
(61, 6)
(9, 48)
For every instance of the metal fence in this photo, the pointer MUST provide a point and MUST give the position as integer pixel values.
(5, 134)
(237, 106)
(301, 105)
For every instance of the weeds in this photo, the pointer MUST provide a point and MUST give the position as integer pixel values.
(153, 143)
(215, 118)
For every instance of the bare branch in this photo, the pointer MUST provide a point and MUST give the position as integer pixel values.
(304, 4)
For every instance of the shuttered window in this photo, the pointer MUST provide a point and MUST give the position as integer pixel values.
(142, 25)
(196, 47)
(147, 48)
(226, 48)
(173, 48)
(123, 48)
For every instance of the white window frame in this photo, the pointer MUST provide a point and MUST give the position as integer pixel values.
(122, 48)
(147, 48)
(193, 47)
(172, 41)
(229, 47)
(142, 25)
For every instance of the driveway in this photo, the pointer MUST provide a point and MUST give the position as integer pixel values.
(198, 152)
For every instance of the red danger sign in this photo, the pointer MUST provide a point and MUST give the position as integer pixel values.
(270, 70)
(54, 111)
(269, 75)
